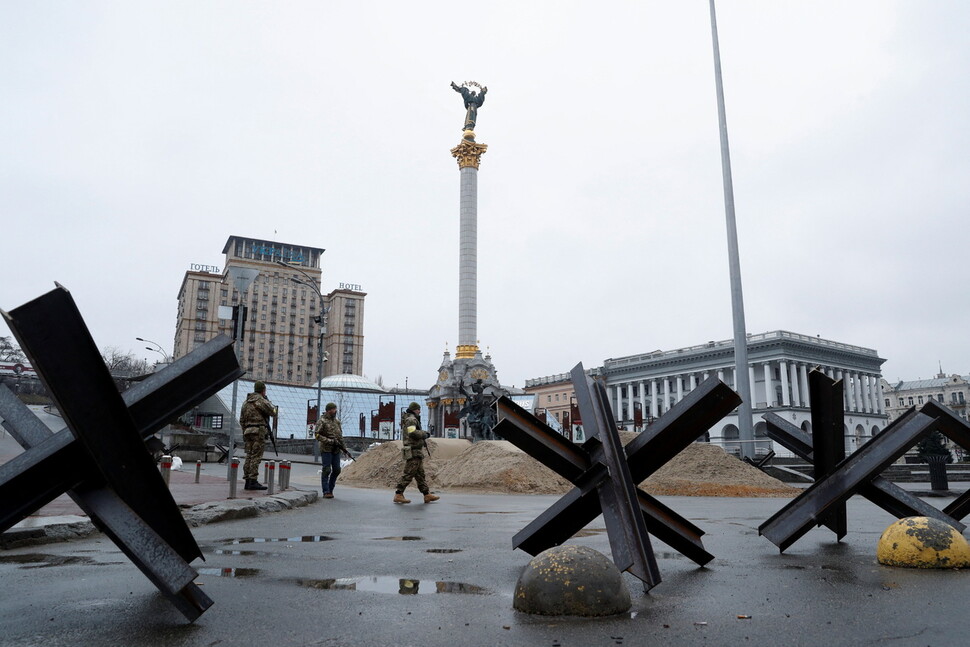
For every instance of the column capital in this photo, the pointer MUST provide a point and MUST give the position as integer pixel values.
(469, 154)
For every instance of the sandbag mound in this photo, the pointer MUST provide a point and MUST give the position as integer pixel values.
(382, 466)
(500, 466)
(707, 470)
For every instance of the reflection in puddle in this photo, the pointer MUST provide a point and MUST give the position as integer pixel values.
(443, 550)
(40, 560)
(401, 586)
(404, 538)
(243, 553)
(268, 540)
(229, 572)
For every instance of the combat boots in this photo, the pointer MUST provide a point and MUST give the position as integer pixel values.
(253, 484)
(399, 498)
(429, 498)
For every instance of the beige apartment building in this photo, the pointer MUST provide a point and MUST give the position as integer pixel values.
(287, 313)
(552, 393)
(344, 339)
(952, 391)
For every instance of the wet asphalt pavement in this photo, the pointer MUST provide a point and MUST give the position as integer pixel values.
(331, 574)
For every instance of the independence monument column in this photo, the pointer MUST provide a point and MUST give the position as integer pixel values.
(458, 403)
(469, 154)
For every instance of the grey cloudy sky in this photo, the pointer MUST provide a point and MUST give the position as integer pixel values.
(137, 136)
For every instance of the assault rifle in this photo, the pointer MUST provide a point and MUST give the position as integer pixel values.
(272, 433)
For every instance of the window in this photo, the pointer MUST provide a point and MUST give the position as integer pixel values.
(887, 402)
(960, 397)
(910, 401)
(901, 402)
(549, 398)
(953, 398)
(919, 399)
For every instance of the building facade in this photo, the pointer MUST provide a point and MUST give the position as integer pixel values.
(344, 341)
(283, 334)
(554, 393)
(778, 366)
(952, 391)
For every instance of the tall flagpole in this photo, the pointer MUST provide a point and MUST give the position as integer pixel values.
(742, 383)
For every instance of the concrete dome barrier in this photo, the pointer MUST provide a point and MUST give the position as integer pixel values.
(571, 581)
(923, 542)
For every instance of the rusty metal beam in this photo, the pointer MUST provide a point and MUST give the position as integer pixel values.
(629, 541)
(885, 494)
(811, 507)
(122, 492)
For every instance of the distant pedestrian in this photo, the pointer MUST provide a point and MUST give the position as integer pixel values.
(254, 420)
(330, 437)
(415, 441)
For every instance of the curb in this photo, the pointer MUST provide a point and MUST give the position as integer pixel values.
(197, 515)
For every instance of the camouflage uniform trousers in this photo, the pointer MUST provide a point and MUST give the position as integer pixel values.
(413, 469)
(255, 438)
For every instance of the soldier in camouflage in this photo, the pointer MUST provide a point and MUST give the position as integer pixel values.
(330, 437)
(415, 440)
(254, 420)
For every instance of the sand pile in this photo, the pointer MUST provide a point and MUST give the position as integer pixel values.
(707, 470)
(499, 466)
(382, 466)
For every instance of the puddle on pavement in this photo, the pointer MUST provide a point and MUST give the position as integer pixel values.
(229, 572)
(239, 553)
(41, 560)
(443, 550)
(401, 586)
(404, 538)
(270, 540)
(488, 512)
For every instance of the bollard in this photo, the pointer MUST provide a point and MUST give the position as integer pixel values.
(938, 480)
(198, 470)
(233, 473)
(285, 475)
(271, 467)
(166, 466)
(266, 471)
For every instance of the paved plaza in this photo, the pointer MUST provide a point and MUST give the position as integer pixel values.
(358, 570)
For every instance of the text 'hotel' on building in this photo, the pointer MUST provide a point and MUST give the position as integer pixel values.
(289, 321)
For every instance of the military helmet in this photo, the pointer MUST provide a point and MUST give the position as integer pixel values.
(414, 406)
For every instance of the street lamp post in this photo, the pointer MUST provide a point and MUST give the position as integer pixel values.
(321, 321)
(158, 349)
(241, 278)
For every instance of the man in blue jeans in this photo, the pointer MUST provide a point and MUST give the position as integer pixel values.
(331, 439)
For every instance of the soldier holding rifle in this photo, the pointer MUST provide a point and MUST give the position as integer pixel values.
(415, 442)
(254, 420)
(331, 440)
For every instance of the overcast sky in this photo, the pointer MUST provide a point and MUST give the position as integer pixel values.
(137, 136)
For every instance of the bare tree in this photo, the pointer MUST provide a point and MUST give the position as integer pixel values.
(10, 351)
(123, 365)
